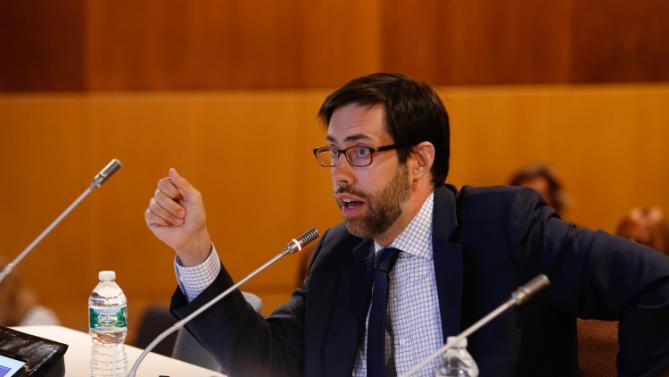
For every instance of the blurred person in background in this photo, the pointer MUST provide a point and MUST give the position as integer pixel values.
(647, 226)
(19, 306)
(542, 179)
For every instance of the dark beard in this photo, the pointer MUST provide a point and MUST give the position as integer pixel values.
(383, 209)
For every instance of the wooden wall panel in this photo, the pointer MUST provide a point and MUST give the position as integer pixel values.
(224, 145)
(193, 44)
(42, 45)
(606, 144)
(478, 42)
(208, 44)
(342, 40)
(411, 36)
(619, 41)
(42, 159)
(250, 155)
(87, 45)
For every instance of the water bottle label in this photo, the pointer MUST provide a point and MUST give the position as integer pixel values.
(108, 317)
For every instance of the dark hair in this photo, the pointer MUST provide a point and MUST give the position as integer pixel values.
(414, 113)
(533, 171)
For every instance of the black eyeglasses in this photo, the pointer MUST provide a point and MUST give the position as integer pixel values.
(356, 156)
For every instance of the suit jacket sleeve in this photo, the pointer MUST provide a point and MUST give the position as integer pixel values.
(597, 275)
(243, 342)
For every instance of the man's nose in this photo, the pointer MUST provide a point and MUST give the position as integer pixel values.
(342, 172)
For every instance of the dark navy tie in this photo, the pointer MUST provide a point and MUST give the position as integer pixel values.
(376, 329)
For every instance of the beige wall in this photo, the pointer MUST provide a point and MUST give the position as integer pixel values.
(250, 155)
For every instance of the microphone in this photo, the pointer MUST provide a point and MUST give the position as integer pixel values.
(106, 172)
(520, 296)
(295, 245)
(98, 180)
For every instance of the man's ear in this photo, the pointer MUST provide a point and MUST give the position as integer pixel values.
(422, 158)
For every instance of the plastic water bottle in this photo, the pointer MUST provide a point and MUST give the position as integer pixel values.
(108, 326)
(458, 362)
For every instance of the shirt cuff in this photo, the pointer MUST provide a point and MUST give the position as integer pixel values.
(194, 280)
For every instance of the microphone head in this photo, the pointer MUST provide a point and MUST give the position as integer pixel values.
(106, 172)
(298, 243)
(525, 292)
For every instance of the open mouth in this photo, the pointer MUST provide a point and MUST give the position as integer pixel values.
(351, 204)
(351, 207)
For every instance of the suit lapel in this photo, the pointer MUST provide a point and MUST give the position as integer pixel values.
(448, 266)
(364, 259)
(351, 301)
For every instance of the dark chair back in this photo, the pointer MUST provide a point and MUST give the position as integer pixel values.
(155, 320)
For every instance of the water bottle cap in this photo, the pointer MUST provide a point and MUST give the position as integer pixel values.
(107, 275)
(461, 344)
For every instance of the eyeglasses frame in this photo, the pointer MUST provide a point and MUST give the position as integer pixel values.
(372, 151)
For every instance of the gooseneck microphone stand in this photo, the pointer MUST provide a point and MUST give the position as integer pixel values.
(519, 296)
(98, 180)
(293, 246)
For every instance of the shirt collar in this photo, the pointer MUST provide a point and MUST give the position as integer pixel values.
(416, 238)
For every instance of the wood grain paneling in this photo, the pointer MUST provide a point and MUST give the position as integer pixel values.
(619, 41)
(234, 44)
(478, 42)
(250, 155)
(224, 146)
(342, 40)
(42, 159)
(605, 144)
(42, 45)
(198, 44)
(209, 44)
(411, 37)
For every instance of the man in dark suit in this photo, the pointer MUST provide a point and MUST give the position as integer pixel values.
(429, 259)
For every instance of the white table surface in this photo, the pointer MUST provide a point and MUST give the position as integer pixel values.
(78, 355)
